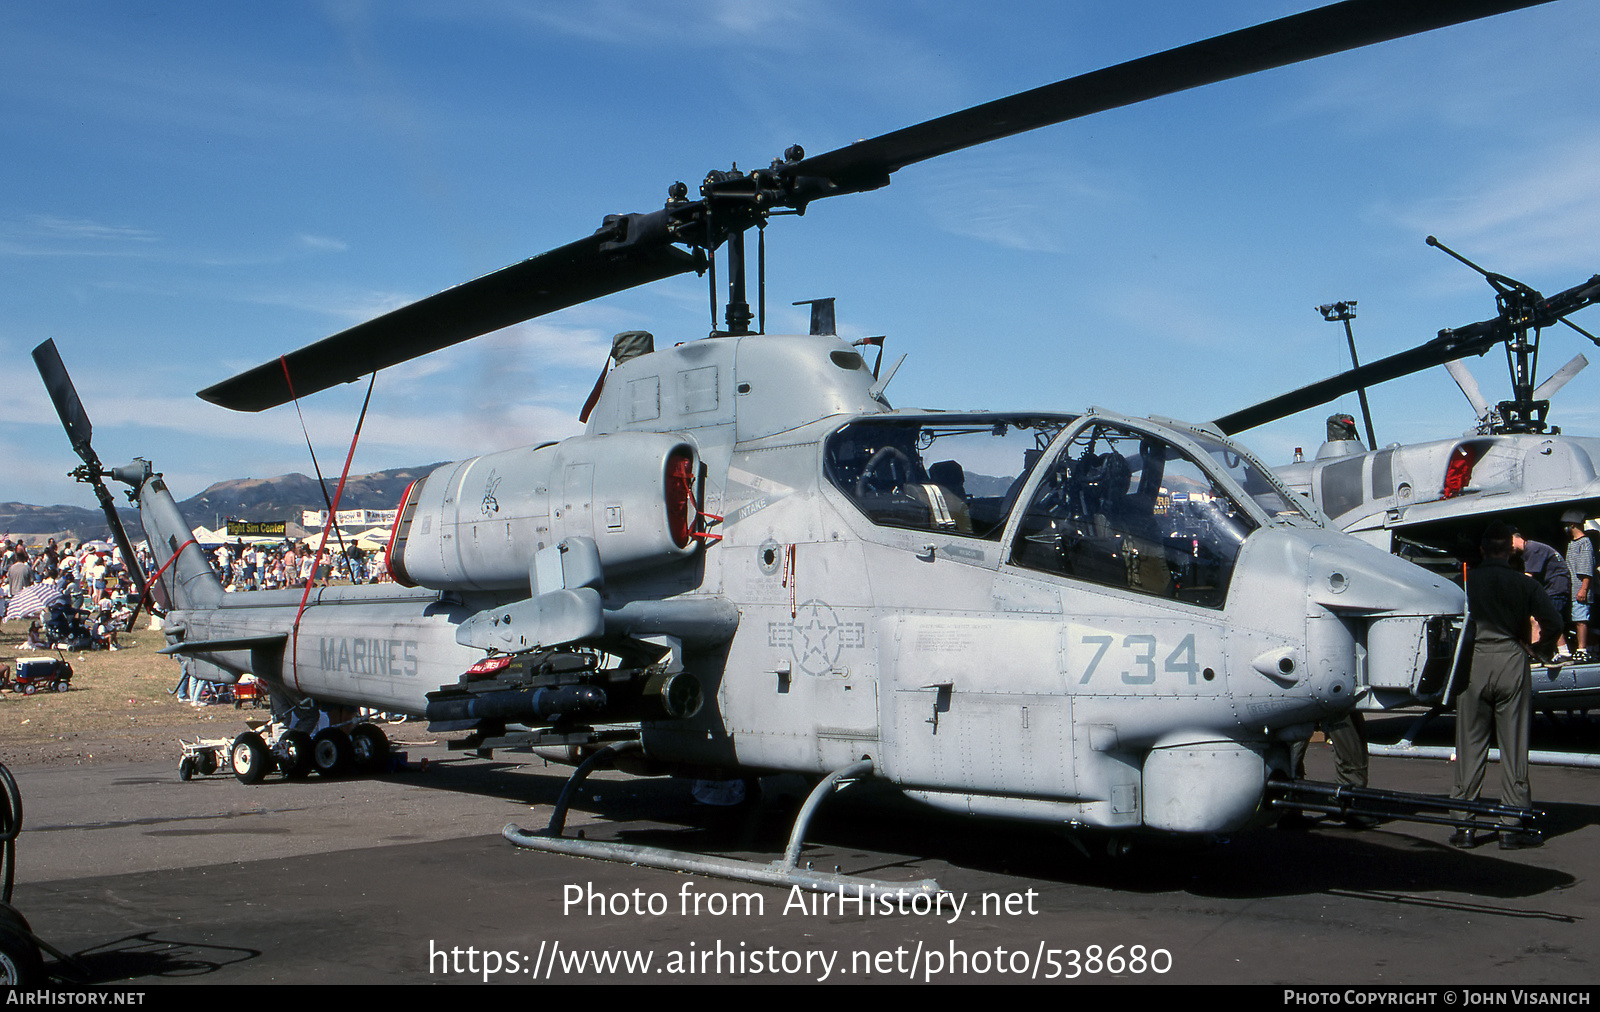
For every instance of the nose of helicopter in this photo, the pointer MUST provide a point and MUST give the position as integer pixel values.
(1333, 619)
(1317, 620)
(1406, 621)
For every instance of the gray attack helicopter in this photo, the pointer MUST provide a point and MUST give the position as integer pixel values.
(750, 563)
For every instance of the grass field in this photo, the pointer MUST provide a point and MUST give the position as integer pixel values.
(119, 707)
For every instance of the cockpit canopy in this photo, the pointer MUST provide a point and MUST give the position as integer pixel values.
(1115, 502)
(954, 474)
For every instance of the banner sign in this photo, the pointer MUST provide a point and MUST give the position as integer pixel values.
(349, 518)
(257, 528)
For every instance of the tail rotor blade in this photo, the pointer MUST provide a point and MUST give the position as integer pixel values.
(65, 398)
(76, 421)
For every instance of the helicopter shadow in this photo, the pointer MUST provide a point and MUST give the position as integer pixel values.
(526, 784)
(1255, 864)
(868, 827)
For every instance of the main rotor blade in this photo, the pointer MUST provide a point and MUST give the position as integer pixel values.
(1469, 385)
(600, 265)
(1342, 26)
(1546, 390)
(1448, 346)
(562, 277)
(65, 397)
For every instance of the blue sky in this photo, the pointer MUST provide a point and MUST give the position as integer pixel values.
(193, 188)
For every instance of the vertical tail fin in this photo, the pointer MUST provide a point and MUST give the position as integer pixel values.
(189, 582)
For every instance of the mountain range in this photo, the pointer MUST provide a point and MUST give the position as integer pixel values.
(282, 498)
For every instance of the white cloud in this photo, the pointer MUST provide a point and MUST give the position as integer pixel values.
(1027, 202)
(56, 227)
(322, 243)
(1541, 211)
(45, 235)
(344, 303)
(697, 23)
(818, 44)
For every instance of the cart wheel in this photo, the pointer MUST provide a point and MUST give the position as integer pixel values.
(20, 963)
(371, 747)
(206, 762)
(296, 748)
(63, 686)
(186, 769)
(250, 758)
(331, 752)
(29, 689)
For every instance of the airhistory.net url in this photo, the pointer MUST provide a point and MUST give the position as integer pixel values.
(553, 961)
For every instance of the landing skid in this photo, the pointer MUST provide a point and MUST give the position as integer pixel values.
(1447, 753)
(1407, 747)
(785, 871)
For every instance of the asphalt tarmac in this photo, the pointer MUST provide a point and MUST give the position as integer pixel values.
(406, 879)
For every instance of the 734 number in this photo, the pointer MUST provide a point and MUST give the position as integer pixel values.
(1140, 651)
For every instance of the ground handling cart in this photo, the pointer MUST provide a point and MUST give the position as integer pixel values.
(270, 746)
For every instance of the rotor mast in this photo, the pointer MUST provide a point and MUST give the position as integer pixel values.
(1523, 314)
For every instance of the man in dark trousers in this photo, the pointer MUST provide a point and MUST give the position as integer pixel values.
(1347, 733)
(1499, 691)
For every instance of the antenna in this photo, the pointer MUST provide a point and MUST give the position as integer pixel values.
(822, 320)
(1344, 312)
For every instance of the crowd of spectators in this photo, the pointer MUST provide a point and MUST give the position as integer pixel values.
(91, 576)
(74, 594)
(90, 572)
(270, 565)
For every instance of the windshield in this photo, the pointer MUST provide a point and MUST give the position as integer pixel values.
(953, 474)
(1127, 509)
(1273, 499)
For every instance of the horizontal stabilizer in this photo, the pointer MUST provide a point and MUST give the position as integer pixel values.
(188, 647)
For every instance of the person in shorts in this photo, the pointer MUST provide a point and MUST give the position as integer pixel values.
(1580, 567)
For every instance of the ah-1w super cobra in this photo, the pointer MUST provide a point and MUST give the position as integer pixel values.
(751, 563)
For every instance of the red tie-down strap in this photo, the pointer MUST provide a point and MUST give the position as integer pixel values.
(152, 582)
(333, 509)
(702, 521)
